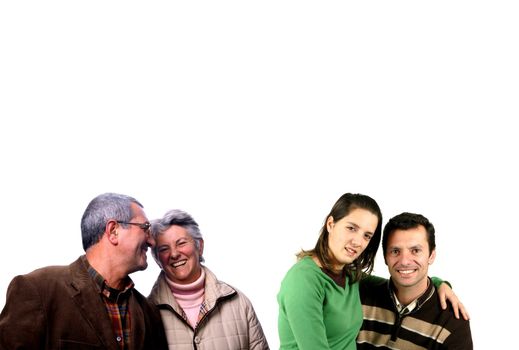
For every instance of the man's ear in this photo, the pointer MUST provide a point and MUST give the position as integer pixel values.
(432, 257)
(111, 232)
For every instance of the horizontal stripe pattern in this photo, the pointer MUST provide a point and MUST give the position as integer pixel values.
(427, 326)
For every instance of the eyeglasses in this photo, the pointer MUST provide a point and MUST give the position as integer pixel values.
(145, 226)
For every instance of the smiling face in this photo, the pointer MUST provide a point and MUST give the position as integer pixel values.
(178, 255)
(408, 258)
(349, 236)
(134, 241)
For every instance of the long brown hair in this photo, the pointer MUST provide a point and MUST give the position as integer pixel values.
(366, 261)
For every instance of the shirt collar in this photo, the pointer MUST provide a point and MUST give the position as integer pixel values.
(403, 309)
(103, 287)
(415, 304)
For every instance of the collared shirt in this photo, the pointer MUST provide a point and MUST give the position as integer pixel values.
(116, 303)
(402, 309)
(425, 327)
(405, 309)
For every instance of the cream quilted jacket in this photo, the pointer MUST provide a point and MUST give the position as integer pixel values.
(227, 321)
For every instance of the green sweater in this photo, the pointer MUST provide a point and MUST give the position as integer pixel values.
(316, 313)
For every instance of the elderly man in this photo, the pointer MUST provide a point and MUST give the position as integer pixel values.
(91, 303)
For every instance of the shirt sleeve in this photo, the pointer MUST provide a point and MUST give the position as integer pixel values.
(460, 338)
(372, 280)
(22, 319)
(257, 339)
(301, 301)
(437, 281)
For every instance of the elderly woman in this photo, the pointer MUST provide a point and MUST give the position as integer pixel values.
(198, 310)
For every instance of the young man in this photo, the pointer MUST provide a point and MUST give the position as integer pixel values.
(405, 312)
(91, 303)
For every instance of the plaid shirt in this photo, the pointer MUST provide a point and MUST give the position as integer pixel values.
(116, 303)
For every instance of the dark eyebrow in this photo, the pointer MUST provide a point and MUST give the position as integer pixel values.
(357, 226)
(352, 223)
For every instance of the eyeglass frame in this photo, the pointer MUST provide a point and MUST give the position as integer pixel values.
(145, 226)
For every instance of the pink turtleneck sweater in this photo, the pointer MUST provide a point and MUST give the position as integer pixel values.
(189, 297)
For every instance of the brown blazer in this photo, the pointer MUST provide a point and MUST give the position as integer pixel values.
(58, 307)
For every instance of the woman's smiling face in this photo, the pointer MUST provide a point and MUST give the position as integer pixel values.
(178, 255)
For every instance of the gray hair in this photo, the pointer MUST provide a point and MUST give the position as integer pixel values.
(100, 210)
(179, 218)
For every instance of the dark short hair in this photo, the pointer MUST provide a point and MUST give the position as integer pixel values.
(406, 221)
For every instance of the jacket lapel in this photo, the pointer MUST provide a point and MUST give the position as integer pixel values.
(88, 300)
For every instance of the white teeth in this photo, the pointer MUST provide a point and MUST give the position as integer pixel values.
(179, 263)
(405, 272)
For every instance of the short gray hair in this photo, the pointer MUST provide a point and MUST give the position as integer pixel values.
(179, 218)
(100, 210)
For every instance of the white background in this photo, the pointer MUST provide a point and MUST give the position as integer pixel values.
(255, 117)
